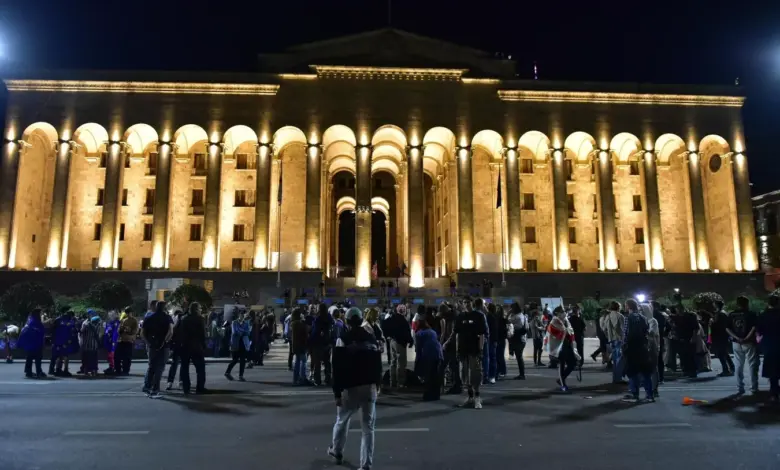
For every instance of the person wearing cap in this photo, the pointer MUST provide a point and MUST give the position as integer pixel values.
(400, 334)
(90, 343)
(357, 376)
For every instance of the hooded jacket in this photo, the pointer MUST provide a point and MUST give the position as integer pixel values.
(356, 361)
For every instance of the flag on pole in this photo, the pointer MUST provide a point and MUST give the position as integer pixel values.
(498, 196)
(279, 191)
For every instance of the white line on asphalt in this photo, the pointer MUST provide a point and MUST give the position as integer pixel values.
(28, 382)
(658, 425)
(395, 430)
(105, 433)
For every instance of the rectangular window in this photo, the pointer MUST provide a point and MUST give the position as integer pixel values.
(633, 168)
(199, 164)
(103, 159)
(526, 165)
(574, 265)
(94, 263)
(637, 203)
(245, 161)
(151, 164)
(100, 195)
(446, 205)
(243, 233)
(438, 243)
(241, 264)
(641, 266)
(597, 236)
(244, 198)
(193, 264)
(572, 235)
(149, 201)
(639, 235)
(446, 238)
(146, 263)
(124, 198)
(195, 233)
(127, 161)
(196, 204)
(530, 235)
(121, 232)
(147, 232)
(568, 170)
(617, 235)
(236, 265)
(96, 233)
(530, 265)
(119, 263)
(528, 202)
(570, 204)
(595, 204)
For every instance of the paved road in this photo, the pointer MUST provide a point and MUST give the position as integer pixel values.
(82, 424)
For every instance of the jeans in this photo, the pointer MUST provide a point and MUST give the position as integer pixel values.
(154, 371)
(538, 344)
(175, 358)
(216, 343)
(397, 363)
(742, 353)
(501, 358)
(519, 347)
(453, 369)
(647, 384)
(124, 357)
(617, 367)
(320, 357)
(722, 353)
(239, 357)
(566, 365)
(362, 397)
(197, 359)
(489, 365)
(299, 368)
(471, 373)
(33, 356)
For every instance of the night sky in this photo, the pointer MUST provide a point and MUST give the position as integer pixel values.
(707, 42)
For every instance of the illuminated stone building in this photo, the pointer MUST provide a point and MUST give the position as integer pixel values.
(180, 171)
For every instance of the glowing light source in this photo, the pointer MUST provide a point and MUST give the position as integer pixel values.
(641, 298)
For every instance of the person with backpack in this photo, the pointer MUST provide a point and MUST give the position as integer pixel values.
(636, 350)
(518, 336)
(321, 341)
(156, 331)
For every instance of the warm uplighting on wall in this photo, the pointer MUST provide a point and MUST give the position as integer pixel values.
(11, 131)
(603, 154)
(467, 257)
(557, 154)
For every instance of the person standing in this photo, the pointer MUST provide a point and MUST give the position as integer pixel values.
(128, 331)
(602, 336)
(769, 329)
(519, 329)
(615, 323)
(428, 360)
(562, 346)
(578, 326)
(538, 329)
(192, 346)
(489, 363)
(637, 353)
(65, 342)
(653, 346)
(452, 369)
(110, 341)
(741, 328)
(156, 331)
(90, 343)
(357, 377)
(720, 340)
(31, 340)
(320, 343)
(400, 334)
(470, 332)
(240, 329)
(175, 348)
(299, 345)
(660, 317)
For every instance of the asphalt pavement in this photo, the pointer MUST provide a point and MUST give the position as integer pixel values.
(107, 423)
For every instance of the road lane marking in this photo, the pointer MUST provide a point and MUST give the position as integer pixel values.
(394, 430)
(105, 433)
(656, 425)
(28, 382)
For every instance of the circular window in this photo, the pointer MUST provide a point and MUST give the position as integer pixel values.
(715, 162)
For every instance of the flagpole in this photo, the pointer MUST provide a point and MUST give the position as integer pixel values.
(279, 230)
(503, 245)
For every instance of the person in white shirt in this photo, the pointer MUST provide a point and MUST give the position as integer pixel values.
(518, 336)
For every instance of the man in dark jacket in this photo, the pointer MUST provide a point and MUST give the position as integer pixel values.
(578, 325)
(400, 335)
(320, 344)
(357, 375)
(192, 344)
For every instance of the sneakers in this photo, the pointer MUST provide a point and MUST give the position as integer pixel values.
(492, 380)
(41, 375)
(469, 402)
(648, 399)
(477, 403)
(520, 377)
(630, 399)
(337, 457)
(228, 376)
(155, 395)
(169, 386)
(241, 378)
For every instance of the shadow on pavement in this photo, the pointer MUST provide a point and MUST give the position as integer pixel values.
(319, 464)
(587, 413)
(221, 401)
(749, 410)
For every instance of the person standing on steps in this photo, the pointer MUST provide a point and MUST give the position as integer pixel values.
(240, 329)
(192, 347)
(357, 377)
(470, 332)
(156, 331)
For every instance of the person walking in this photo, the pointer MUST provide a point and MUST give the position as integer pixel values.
(192, 347)
(156, 331)
(741, 328)
(637, 353)
(31, 340)
(470, 333)
(400, 334)
(562, 343)
(519, 336)
(578, 326)
(240, 329)
(320, 343)
(128, 331)
(538, 328)
(357, 377)
(615, 323)
(174, 347)
(769, 329)
(428, 360)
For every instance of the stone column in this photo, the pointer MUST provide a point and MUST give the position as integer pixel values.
(112, 206)
(338, 229)
(513, 211)
(652, 208)
(262, 234)
(561, 261)
(465, 210)
(400, 226)
(416, 205)
(606, 209)
(698, 219)
(747, 234)
(56, 257)
(211, 216)
(387, 244)
(9, 172)
(363, 216)
(162, 204)
(311, 255)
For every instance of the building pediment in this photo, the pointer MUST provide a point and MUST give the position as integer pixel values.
(388, 48)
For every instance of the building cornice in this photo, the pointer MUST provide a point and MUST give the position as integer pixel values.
(387, 73)
(619, 98)
(87, 86)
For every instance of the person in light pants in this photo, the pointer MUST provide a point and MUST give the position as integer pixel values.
(741, 328)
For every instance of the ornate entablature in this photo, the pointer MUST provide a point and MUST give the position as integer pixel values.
(95, 86)
(387, 73)
(620, 98)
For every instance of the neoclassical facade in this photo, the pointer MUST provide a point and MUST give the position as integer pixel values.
(408, 142)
